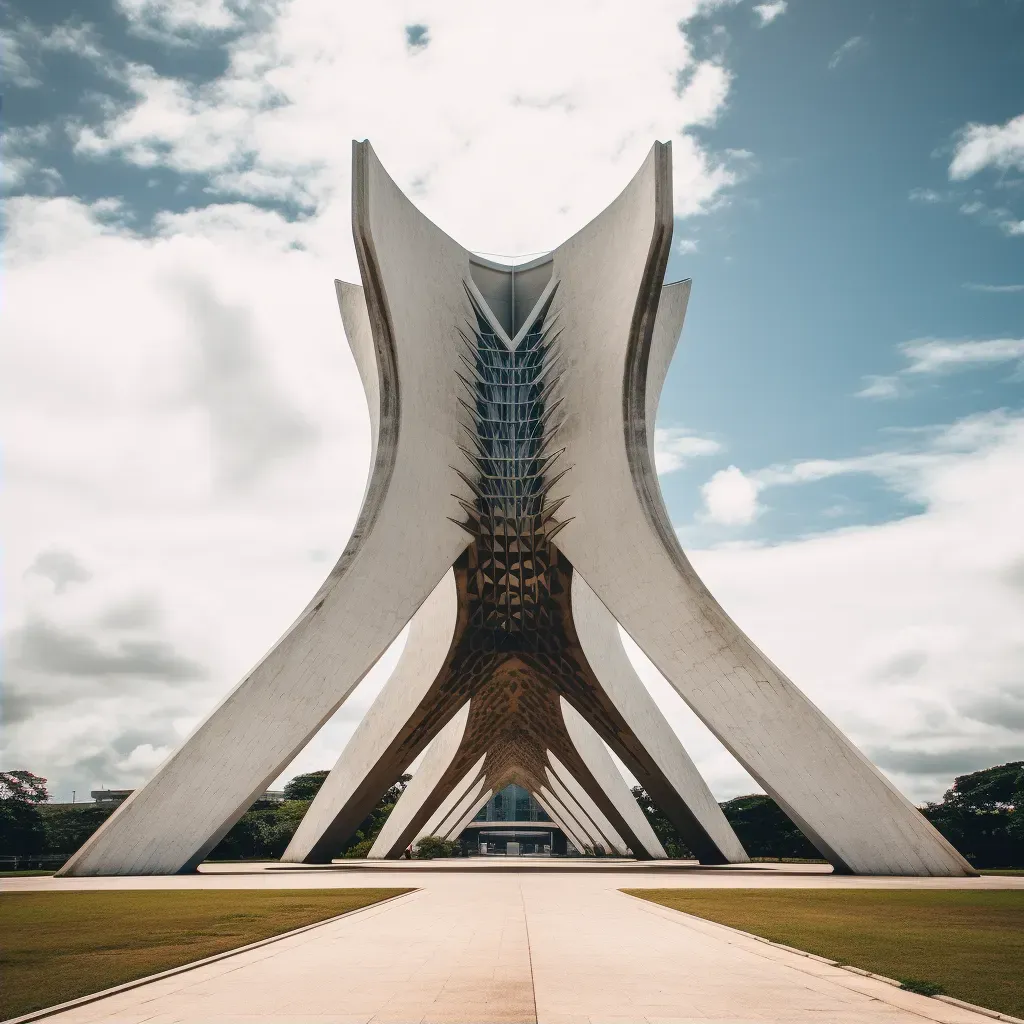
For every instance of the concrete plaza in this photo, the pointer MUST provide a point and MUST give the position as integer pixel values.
(504, 941)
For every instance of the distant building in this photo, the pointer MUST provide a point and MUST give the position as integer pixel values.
(116, 797)
(111, 797)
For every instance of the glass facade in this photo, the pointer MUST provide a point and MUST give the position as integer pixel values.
(513, 803)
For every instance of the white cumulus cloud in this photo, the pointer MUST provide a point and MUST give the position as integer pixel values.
(988, 145)
(673, 448)
(730, 498)
(768, 12)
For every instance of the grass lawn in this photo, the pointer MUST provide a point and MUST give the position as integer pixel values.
(26, 873)
(59, 945)
(969, 943)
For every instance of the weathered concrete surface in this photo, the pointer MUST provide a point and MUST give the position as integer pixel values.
(401, 338)
(348, 793)
(517, 945)
(607, 775)
(622, 542)
(602, 367)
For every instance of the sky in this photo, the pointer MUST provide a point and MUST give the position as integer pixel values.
(840, 440)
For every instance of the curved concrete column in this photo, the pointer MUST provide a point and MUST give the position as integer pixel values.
(443, 812)
(463, 820)
(592, 750)
(454, 815)
(686, 799)
(585, 824)
(422, 788)
(364, 770)
(622, 541)
(401, 338)
(558, 775)
(562, 818)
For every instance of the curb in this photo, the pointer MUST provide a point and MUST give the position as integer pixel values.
(984, 1010)
(93, 997)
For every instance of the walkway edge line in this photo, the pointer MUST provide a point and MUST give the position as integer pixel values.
(952, 1000)
(93, 997)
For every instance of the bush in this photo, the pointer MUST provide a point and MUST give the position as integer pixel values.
(430, 847)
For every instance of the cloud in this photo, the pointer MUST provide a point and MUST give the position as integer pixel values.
(14, 65)
(252, 423)
(41, 646)
(925, 195)
(768, 12)
(935, 355)
(21, 147)
(980, 146)
(60, 567)
(1004, 708)
(280, 119)
(938, 356)
(941, 763)
(730, 498)
(685, 246)
(995, 288)
(906, 633)
(673, 448)
(880, 387)
(852, 45)
(177, 21)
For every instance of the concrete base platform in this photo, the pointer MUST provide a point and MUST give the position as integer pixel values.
(494, 940)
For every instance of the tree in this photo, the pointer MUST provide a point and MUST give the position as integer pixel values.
(304, 787)
(982, 815)
(22, 832)
(765, 830)
(360, 843)
(23, 787)
(663, 828)
(759, 822)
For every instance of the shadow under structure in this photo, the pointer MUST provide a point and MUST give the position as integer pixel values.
(513, 516)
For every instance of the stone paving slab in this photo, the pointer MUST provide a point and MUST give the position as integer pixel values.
(552, 947)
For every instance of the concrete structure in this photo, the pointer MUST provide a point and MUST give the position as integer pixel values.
(514, 516)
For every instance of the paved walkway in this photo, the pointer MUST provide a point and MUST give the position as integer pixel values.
(526, 945)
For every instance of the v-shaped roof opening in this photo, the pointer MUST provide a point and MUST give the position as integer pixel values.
(511, 292)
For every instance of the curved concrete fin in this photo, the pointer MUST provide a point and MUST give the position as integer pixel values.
(592, 750)
(621, 540)
(560, 777)
(587, 827)
(455, 815)
(683, 795)
(444, 809)
(565, 821)
(460, 827)
(385, 573)
(668, 326)
(367, 765)
(422, 793)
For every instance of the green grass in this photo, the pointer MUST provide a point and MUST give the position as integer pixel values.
(965, 943)
(1001, 871)
(26, 873)
(60, 945)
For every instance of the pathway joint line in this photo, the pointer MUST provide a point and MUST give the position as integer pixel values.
(952, 1000)
(529, 948)
(71, 1004)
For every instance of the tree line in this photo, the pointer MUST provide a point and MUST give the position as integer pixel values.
(982, 815)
